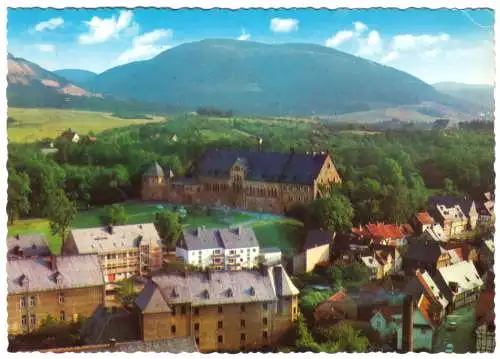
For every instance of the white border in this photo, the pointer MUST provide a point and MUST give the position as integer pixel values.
(230, 4)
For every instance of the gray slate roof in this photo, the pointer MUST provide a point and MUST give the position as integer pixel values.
(154, 171)
(72, 271)
(451, 201)
(228, 238)
(99, 240)
(215, 288)
(270, 250)
(299, 168)
(318, 237)
(32, 245)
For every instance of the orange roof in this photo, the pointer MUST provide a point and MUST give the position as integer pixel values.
(424, 218)
(382, 230)
(406, 229)
(341, 295)
(424, 307)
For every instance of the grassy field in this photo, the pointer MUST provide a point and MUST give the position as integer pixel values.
(33, 124)
(281, 233)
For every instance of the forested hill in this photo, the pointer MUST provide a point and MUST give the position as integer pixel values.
(80, 77)
(254, 78)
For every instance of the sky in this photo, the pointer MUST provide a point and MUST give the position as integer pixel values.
(434, 45)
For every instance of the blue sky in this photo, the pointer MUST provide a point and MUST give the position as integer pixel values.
(435, 45)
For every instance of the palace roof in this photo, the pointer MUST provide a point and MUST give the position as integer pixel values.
(298, 168)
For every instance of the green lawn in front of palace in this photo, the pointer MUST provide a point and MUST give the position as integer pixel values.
(281, 233)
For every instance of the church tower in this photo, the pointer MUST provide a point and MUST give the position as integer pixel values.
(153, 183)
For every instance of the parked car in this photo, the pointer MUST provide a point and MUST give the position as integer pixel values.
(449, 348)
(452, 325)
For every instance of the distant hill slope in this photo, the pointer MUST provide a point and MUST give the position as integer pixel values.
(482, 95)
(77, 76)
(255, 78)
(30, 85)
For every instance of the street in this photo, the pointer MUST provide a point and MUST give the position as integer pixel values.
(462, 337)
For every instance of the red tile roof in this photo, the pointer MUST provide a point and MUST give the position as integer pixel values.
(389, 311)
(382, 230)
(424, 218)
(341, 295)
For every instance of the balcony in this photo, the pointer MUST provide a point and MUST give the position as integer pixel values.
(219, 255)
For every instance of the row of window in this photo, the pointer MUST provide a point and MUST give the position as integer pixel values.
(243, 337)
(33, 320)
(33, 300)
(220, 309)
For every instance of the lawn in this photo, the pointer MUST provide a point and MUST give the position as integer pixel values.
(33, 124)
(280, 233)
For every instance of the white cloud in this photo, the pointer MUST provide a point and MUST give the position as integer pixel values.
(284, 25)
(409, 42)
(339, 38)
(360, 27)
(391, 56)
(244, 36)
(145, 47)
(370, 45)
(101, 30)
(430, 54)
(51, 24)
(46, 47)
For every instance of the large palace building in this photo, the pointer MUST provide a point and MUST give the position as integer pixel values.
(259, 181)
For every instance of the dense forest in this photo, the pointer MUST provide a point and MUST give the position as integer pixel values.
(386, 175)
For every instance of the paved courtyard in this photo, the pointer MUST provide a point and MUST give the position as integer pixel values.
(462, 337)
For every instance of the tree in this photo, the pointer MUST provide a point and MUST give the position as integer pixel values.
(61, 213)
(337, 277)
(449, 188)
(115, 214)
(125, 291)
(356, 272)
(169, 227)
(305, 341)
(332, 212)
(310, 299)
(17, 193)
(342, 338)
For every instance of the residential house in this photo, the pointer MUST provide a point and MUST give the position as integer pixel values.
(451, 212)
(374, 266)
(371, 297)
(463, 249)
(486, 209)
(485, 317)
(422, 284)
(396, 259)
(172, 346)
(70, 135)
(225, 310)
(386, 234)
(435, 233)
(27, 246)
(424, 254)
(228, 248)
(270, 256)
(422, 221)
(64, 288)
(455, 255)
(460, 284)
(423, 331)
(382, 321)
(487, 254)
(316, 249)
(124, 251)
(338, 306)
(485, 334)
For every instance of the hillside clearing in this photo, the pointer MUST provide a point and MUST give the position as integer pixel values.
(34, 124)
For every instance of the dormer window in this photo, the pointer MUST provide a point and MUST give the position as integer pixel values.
(206, 294)
(252, 291)
(229, 292)
(175, 294)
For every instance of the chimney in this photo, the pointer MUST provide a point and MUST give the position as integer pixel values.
(112, 343)
(407, 324)
(53, 263)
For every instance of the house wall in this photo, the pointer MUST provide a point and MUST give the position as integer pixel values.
(378, 323)
(422, 334)
(221, 258)
(271, 258)
(485, 340)
(299, 263)
(261, 323)
(77, 302)
(316, 255)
